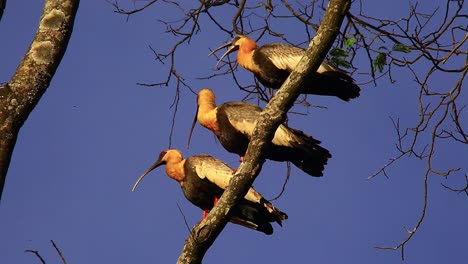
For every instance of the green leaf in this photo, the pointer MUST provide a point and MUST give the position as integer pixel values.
(401, 48)
(338, 58)
(340, 62)
(338, 52)
(380, 61)
(350, 41)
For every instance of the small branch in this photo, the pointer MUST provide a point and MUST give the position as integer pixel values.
(120, 10)
(35, 252)
(2, 7)
(411, 233)
(175, 104)
(238, 16)
(304, 20)
(283, 187)
(459, 190)
(58, 252)
(185, 218)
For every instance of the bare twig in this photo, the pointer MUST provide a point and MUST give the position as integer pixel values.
(41, 259)
(286, 179)
(120, 10)
(2, 7)
(35, 252)
(59, 252)
(459, 190)
(185, 218)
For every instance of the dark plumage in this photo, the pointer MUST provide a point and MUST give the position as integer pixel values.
(203, 180)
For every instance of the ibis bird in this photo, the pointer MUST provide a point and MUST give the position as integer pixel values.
(233, 124)
(203, 180)
(273, 62)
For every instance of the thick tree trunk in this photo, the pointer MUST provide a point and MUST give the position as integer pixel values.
(204, 233)
(19, 96)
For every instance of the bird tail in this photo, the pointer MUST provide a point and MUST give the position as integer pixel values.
(333, 83)
(308, 155)
(257, 216)
(263, 227)
(276, 214)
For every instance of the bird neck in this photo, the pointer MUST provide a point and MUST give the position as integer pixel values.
(207, 115)
(245, 57)
(175, 169)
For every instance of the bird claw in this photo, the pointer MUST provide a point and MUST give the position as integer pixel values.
(241, 159)
(205, 214)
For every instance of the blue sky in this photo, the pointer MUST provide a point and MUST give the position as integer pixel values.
(94, 132)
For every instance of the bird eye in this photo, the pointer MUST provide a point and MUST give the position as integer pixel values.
(235, 39)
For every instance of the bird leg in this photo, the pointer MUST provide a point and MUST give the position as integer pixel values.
(241, 159)
(206, 212)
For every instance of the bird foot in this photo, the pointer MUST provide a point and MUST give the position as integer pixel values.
(205, 214)
(241, 159)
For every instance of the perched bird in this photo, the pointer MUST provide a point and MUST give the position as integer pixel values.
(203, 180)
(273, 62)
(233, 124)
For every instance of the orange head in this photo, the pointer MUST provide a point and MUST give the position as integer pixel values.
(204, 96)
(239, 42)
(167, 155)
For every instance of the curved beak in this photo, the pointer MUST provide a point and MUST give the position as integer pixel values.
(158, 163)
(193, 126)
(220, 47)
(231, 49)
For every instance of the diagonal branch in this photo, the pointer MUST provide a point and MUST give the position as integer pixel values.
(59, 252)
(36, 252)
(2, 7)
(204, 233)
(458, 190)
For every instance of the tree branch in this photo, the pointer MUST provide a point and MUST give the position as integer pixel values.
(19, 96)
(2, 7)
(204, 233)
(41, 259)
(120, 10)
(59, 252)
(459, 190)
(36, 252)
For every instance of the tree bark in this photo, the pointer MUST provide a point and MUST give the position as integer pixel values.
(19, 96)
(205, 232)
